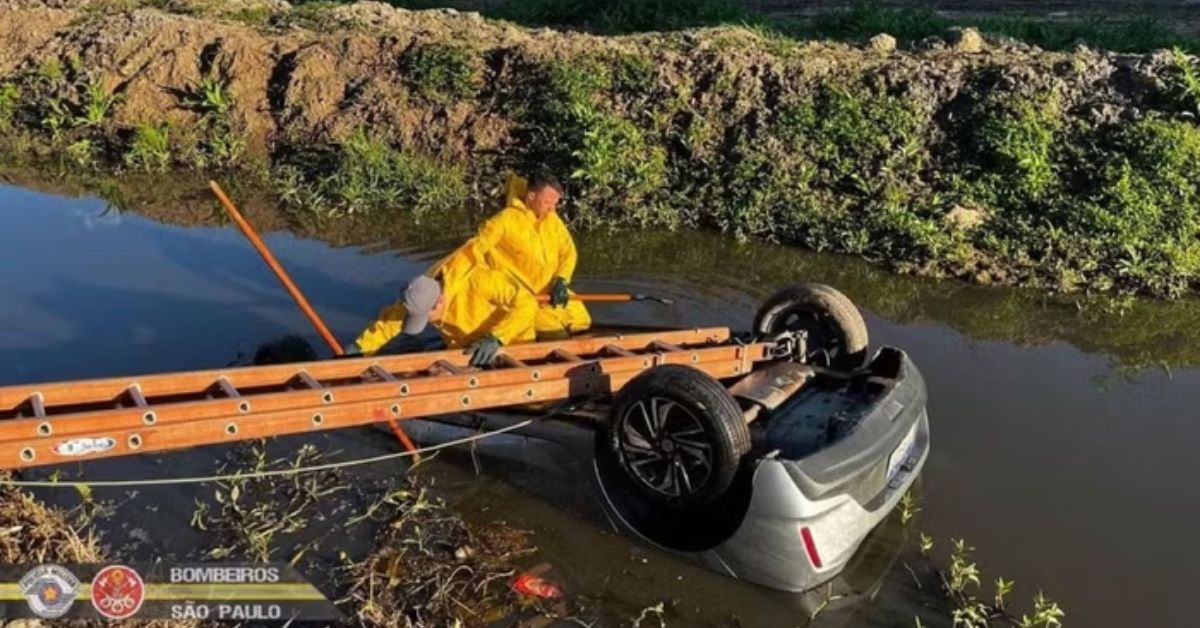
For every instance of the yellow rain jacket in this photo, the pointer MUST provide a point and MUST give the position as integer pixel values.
(533, 252)
(479, 301)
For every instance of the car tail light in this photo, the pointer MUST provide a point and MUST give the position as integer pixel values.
(810, 546)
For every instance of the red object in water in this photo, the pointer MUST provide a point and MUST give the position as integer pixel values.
(529, 584)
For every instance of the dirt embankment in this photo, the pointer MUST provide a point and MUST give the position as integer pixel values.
(309, 85)
(962, 156)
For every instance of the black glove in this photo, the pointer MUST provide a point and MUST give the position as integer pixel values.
(484, 350)
(558, 292)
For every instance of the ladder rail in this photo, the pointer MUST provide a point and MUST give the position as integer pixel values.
(167, 437)
(63, 426)
(108, 390)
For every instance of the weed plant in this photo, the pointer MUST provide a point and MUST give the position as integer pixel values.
(440, 73)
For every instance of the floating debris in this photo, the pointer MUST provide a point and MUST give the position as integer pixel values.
(31, 532)
(431, 568)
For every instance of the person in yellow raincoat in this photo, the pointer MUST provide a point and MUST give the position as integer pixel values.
(529, 241)
(470, 305)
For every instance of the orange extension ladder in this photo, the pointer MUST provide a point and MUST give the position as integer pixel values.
(58, 422)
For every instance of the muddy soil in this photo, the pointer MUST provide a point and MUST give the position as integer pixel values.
(303, 85)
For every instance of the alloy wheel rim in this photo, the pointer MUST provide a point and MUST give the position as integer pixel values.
(664, 447)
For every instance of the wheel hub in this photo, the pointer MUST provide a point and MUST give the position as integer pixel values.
(665, 448)
(790, 345)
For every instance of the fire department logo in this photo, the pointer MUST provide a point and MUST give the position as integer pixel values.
(50, 590)
(117, 592)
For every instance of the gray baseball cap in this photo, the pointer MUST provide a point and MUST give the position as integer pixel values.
(420, 297)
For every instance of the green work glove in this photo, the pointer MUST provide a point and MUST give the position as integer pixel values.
(484, 350)
(558, 292)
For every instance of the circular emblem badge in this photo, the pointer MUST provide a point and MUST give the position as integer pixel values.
(117, 592)
(49, 590)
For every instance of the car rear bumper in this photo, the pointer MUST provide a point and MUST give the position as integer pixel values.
(806, 518)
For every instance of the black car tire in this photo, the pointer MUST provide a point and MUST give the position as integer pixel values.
(675, 436)
(836, 332)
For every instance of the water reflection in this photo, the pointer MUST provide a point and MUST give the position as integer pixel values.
(1048, 455)
(1135, 333)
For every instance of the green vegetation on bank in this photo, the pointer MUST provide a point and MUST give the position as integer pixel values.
(440, 73)
(1025, 174)
(607, 156)
(855, 20)
(367, 173)
(863, 19)
(219, 143)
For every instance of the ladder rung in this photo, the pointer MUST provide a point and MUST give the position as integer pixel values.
(227, 388)
(378, 371)
(447, 367)
(508, 360)
(615, 350)
(135, 393)
(566, 356)
(665, 346)
(38, 404)
(308, 380)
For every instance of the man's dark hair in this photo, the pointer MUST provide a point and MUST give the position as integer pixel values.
(542, 180)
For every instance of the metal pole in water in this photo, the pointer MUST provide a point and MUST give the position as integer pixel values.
(280, 273)
(301, 301)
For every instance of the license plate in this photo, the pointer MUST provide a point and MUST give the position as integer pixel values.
(901, 452)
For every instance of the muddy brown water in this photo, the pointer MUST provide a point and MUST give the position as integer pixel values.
(1063, 437)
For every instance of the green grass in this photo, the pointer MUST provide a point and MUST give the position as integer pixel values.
(306, 14)
(56, 118)
(368, 175)
(211, 96)
(83, 152)
(838, 170)
(614, 165)
(151, 148)
(66, 101)
(10, 99)
(857, 21)
(252, 16)
(50, 71)
(97, 104)
(1060, 187)
(612, 16)
(1013, 140)
(854, 22)
(961, 583)
(1145, 219)
(865, 19)
(440, 73)
(1185, 81)
(221, 144)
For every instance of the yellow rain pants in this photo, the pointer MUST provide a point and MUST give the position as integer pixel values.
(479, 301)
